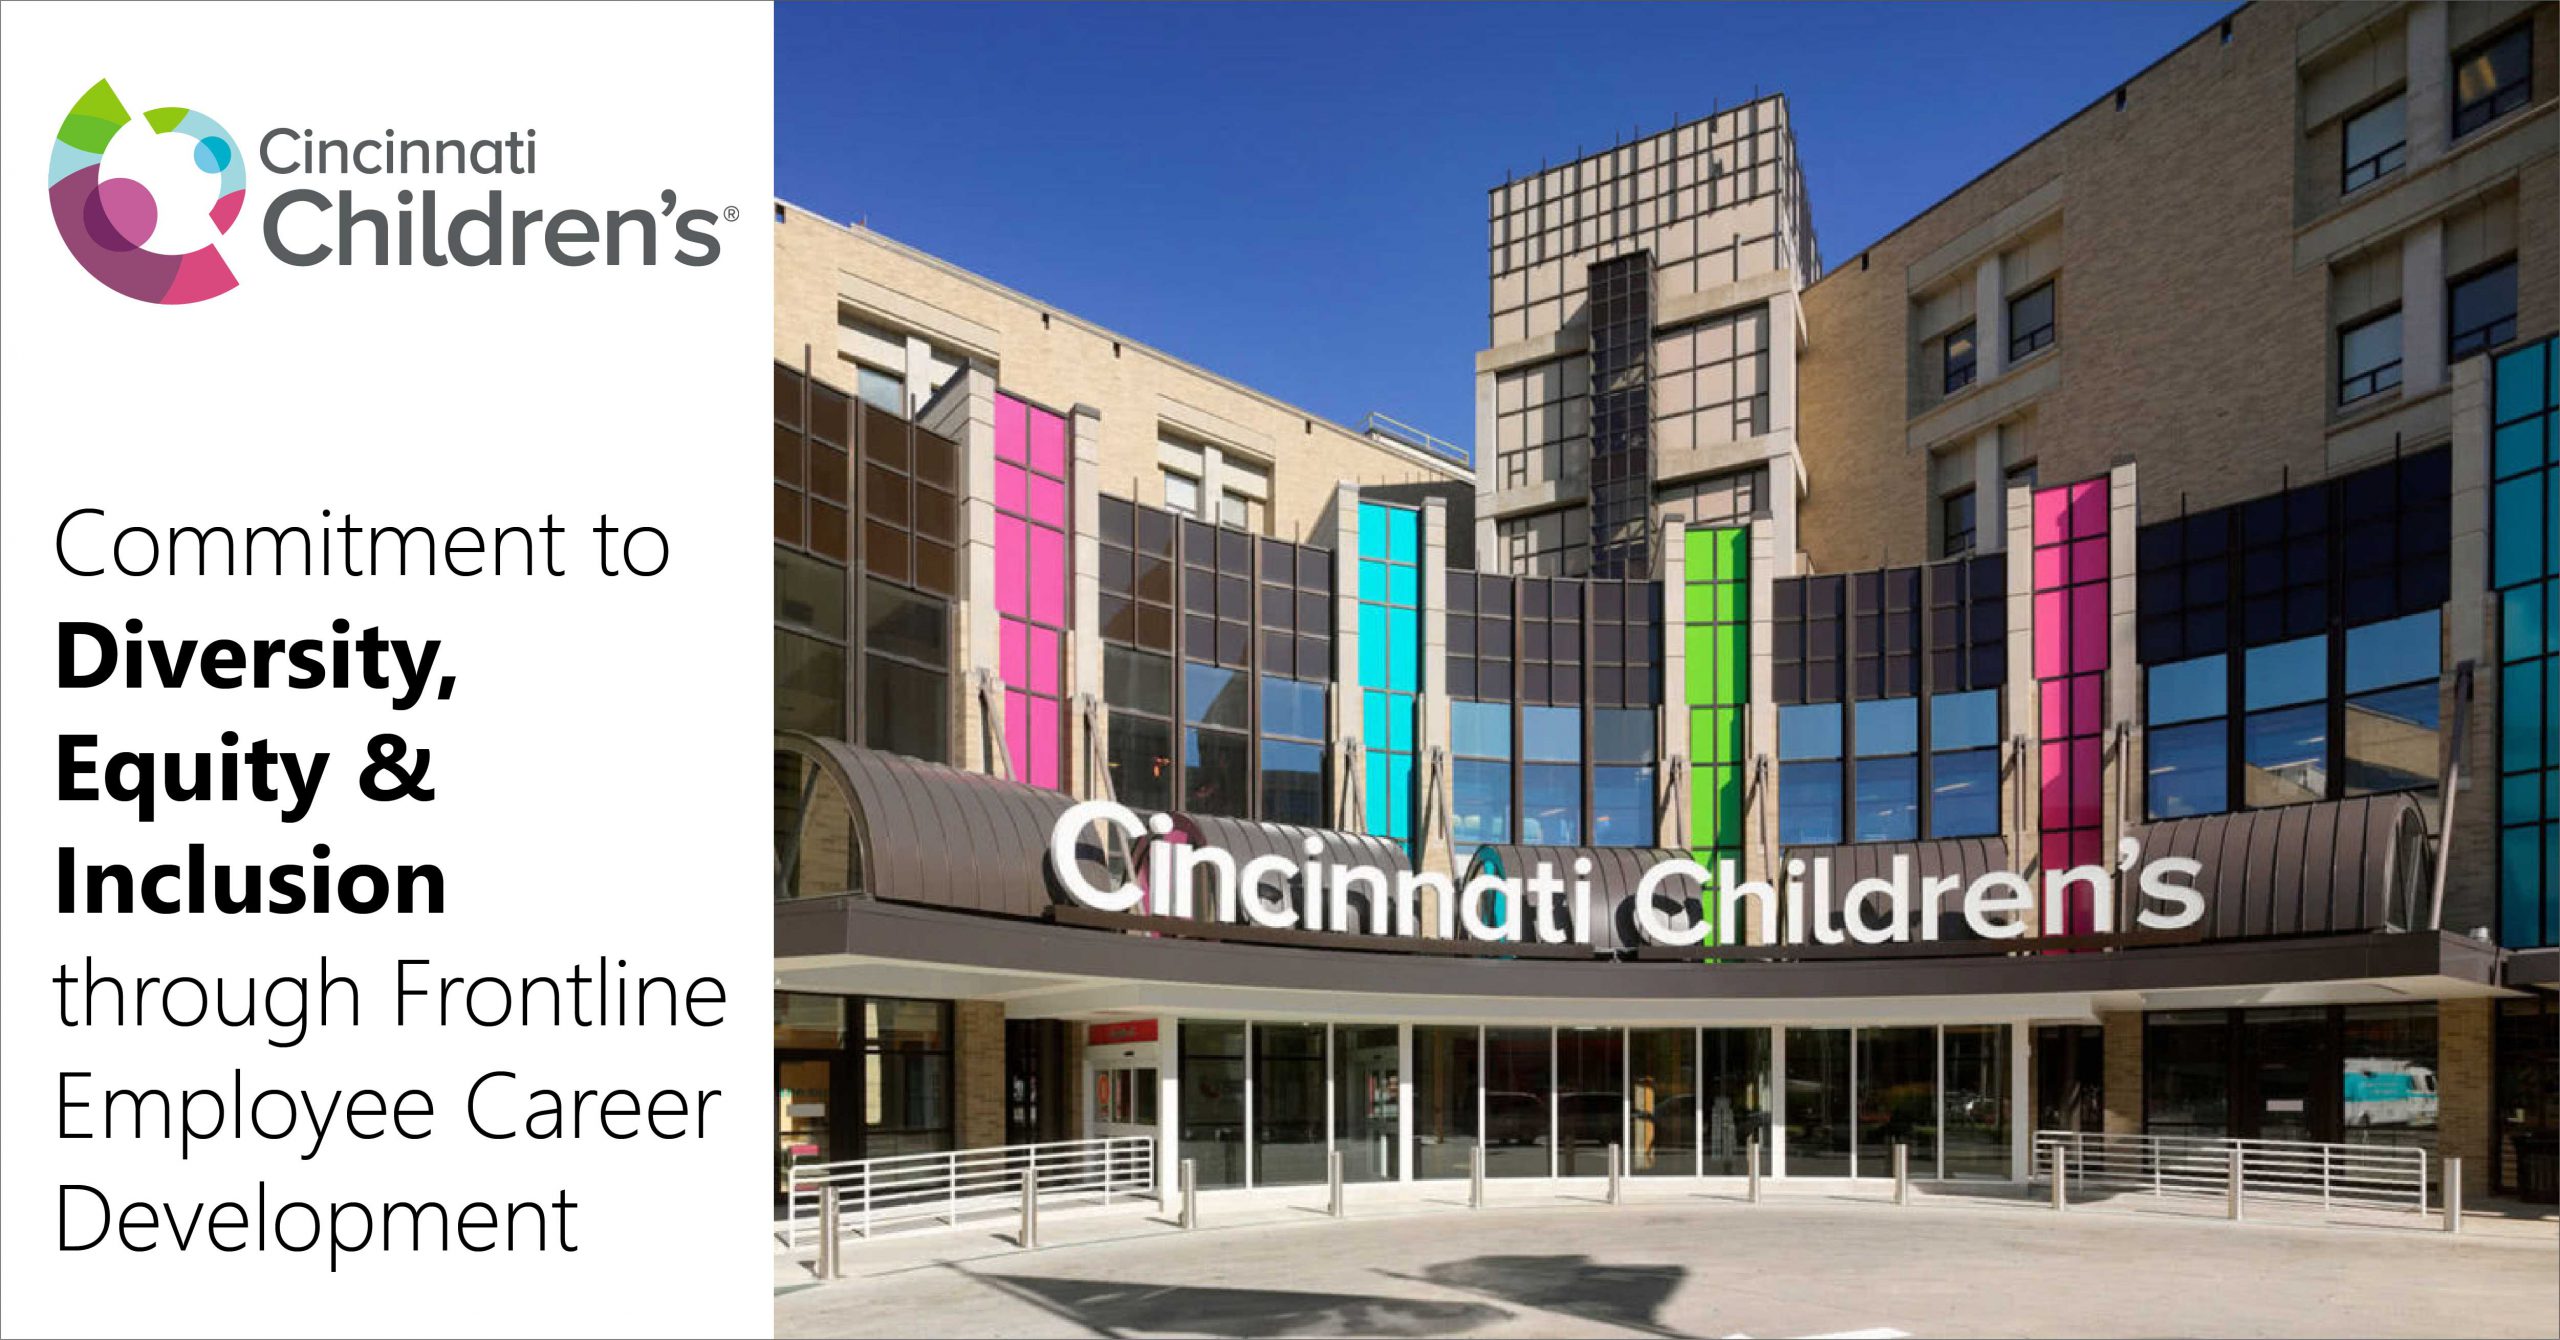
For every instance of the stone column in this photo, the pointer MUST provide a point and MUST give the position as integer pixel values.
(2466, 1086)
(2470, 632)
(2429, 128)
(2123, 1072)
(1348, 813)
(1431, 745)
(1771, 557)
(1990, 321)
(2122, 793)
(2019, 813)
(2422, 318)
(1084, 638)
(968, 417)
(977, 1080)
(1672, 739)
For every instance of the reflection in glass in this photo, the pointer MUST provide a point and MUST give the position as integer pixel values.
(1622, 807)
(1589, 1101)
(1364, 1089)
(1808, 804)
(1480, 799)
(1897, 1099)
(1213, 1100)
(1977, 1101)
(1818, 1117)
(1734, 1101)
(1288, 1104)
(2186, 1072)
(1517, 1099)
(2388, 1054)
(1551, 804)
(1888, 800)
(2392, 739)
(1445, 1071)
(2285, 755)
(2189, 770)
(1662, 1101)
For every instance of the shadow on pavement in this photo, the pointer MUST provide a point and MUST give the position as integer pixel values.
(1114, 1307)
(1577, 1286)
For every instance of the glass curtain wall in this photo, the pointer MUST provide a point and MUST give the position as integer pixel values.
(1819, 1118)
(1518, 1102)
(1446, 1069)
(1288, 1104)
(1976, 1101)
(1734, 1098)
(1590, 1099)
(1365, 1102)
(1897, 1099)
(1662, 1102)
(1213, 1100)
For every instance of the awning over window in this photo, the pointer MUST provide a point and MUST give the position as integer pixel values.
(930, 833)
(2342, 865)
(1967, 858)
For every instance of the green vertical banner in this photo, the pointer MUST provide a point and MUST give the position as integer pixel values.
(1718, 617)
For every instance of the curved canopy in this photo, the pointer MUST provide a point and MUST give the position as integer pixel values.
(2339, 865)
(1246, 839)
(1966, 858)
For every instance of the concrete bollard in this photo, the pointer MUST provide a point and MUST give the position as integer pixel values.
(1333, 1182)
(830, 1226)
(1901, 1173)
(2237, 1193)
(1028, 1237)
(2453, 1194)
(1475, 1177)
(1189, 1173)
(1617, 1189)
(2061, 1178)
(1751, 1157)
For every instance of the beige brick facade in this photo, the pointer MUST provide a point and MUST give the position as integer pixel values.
(977, 1082)
(2466, 1068)
(2123, 1083)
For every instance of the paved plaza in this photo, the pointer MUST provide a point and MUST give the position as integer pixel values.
(1802, 1263)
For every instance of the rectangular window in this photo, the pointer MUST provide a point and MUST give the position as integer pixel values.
(1366, 1071)
(1480, 738)
(1033, 557)
(1964, 764)
(1390, 668)
(1293, 735)
(1662, 1102)
(1718, 613)
(1216, 760)
(1959, 358)
(1955, 523)
(1977, 1099)
(1809, 775)
(1445, 1093)
(1181, 494)
(1734, 1099)
(2284, 739)
(2030, 321)
(1519, 1070)
(2187, 742)
(2480, 310)
(906, 1059)
(2524, 570)
(2374, 144)
(1288, 1104)
(1551, 776)
(1820, 1116)
(1887, 734)
(882, 390)
(1212, 1111)
(2368, 357)
(2392, 715)
(1622, 777)
(2492, 79)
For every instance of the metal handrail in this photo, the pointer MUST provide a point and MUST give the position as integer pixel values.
(2375, 1176)
(1379, 425)
(882, 1193)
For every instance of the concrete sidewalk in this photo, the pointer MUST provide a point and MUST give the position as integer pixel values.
(1692, 1258)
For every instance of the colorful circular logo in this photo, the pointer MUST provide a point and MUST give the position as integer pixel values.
(108, 222)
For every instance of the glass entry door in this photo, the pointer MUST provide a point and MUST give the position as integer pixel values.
(804, 1111)
(2289, 1075)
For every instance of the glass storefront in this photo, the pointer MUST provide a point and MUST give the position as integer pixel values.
(1590, 1099)
(1212, 1110)
(1735, 1098)
(1365, 1083)
(2070, 1077)
(1519, 1102)
(1977, 1102)
(2525, 1150)
(1288, 1104)
(1445, 1073)
(1897, 1099)
(1818, 1113)
(1662, 1102)
(840, 1094)
(2362, 1074)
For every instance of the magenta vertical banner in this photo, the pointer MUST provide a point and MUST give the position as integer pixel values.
(1032, 558)
(2071, 669)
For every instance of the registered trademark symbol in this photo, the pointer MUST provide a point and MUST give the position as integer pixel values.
(731, 214)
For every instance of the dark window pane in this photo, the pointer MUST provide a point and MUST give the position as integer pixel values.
(1622, 735)
(1141, 761)
(900, 623)
(1217, 772)
(808, 685)
(1135, 679)
(808, 593)
(1292, 782)
(2031, 321)
(903, 710)
(2483, 309)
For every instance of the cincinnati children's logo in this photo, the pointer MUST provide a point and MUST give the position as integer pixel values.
(137, 243)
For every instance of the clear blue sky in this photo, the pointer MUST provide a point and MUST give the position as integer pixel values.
(1294, 196)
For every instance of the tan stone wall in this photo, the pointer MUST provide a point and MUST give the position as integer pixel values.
(2189, 332)
(1060, 361)
(2123, 1072)
(977, 1082)
(2466, 1086)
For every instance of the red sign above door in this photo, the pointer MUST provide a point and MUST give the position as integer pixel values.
(1120, 1033)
